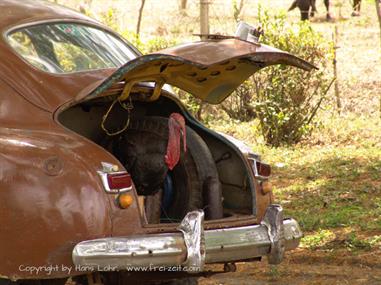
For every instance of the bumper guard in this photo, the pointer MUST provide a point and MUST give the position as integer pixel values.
(192, 247)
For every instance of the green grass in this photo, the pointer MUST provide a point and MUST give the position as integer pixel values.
(317, 239)
(347, 239)
(330, 182)
(328, 187)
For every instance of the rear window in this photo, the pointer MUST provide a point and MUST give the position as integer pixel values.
(69, 47)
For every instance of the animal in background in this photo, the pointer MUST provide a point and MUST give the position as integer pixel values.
(308, 8)
(356, 8)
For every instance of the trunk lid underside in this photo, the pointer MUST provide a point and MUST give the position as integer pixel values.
(210, 70)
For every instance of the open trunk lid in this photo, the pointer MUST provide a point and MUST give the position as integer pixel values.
(210, 70)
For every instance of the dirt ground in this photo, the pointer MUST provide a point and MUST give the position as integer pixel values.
(305, 267)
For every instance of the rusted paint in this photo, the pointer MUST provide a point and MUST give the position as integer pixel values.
(44, 215)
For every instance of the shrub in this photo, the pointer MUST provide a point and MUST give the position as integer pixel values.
(109, 18)
(239, 106)
(159, 43)
(286, 98)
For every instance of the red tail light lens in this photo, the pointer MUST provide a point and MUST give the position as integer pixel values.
(119, 180)
(263, 169)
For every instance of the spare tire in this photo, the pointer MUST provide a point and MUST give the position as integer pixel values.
(142, 149)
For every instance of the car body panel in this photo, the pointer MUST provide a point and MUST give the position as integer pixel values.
(51, 194)
(18, 12)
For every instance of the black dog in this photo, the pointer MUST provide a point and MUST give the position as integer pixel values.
(356, 8)
(308, 8)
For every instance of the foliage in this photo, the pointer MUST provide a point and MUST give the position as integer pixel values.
(110, 18)
(159, 43)
(152, 45)
(239, 105)
(237, 9)
(287, 98)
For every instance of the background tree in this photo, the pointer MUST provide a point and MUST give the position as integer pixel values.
(85, 6)
(378, 8)
(183, 6)
(237, 9)
(140, 18)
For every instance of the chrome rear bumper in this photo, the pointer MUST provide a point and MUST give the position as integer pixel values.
(192, 247)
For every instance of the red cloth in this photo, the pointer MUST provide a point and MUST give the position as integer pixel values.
(176, 127)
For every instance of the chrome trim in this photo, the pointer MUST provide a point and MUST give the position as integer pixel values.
(170, 249)
(120, 253)
(192, 227)
(109, 167)
(273, 220)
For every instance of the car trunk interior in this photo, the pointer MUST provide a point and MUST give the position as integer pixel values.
(211, 174)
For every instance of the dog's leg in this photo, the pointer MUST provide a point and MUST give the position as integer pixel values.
(293, 5)
(327, 6)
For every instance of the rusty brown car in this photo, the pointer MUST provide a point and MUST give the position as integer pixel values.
(103, 171)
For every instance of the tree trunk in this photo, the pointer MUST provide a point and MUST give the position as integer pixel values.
(337, 88)
(378, 8)
(204, 18)
(183, 5)
(140, 18)
(238, 9)
(84, 6)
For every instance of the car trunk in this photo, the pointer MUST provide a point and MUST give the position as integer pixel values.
(233, 174)
(129, 114)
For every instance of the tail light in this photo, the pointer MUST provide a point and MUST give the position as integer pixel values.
(119, 180)
(261, 170)
(115, 181)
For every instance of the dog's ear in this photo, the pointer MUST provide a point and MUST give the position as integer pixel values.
(293, 5)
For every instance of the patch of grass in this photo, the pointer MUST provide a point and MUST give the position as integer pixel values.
(329, 183)
(317, 239)
(354, 243)
(347, 238)
(274, 272)
(375, 241)
(330, 187)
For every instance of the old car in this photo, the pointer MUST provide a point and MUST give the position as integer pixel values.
(104, 174)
